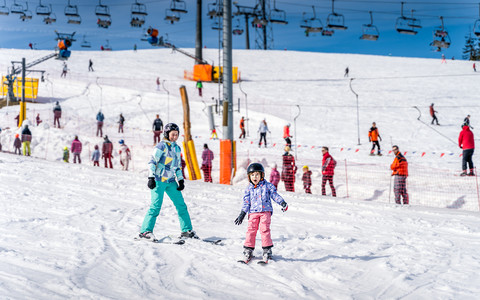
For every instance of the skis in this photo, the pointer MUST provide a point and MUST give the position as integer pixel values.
(164, 240)
(178, 241)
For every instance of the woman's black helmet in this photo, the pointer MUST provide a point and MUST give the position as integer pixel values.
(255, 167)
(170, 127)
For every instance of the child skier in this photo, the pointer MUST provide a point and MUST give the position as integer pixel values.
(96, 157)
(66, 154)
(307, 180)
(163, 173)
(257, 203)
(17, 144)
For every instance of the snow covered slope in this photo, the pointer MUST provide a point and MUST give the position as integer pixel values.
(67, 230)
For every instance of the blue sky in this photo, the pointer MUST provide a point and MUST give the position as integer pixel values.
(458, 18)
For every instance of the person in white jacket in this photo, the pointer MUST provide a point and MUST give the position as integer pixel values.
(124, 154)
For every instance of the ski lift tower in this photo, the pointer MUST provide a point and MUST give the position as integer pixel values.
(263, 28)
(247, 12)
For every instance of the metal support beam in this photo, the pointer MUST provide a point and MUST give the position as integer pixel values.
(227, 67)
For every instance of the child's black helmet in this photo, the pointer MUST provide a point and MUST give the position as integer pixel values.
(255, 167)
(170, 127)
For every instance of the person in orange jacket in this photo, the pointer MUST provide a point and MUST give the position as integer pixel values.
(400, 171)
(286, 135)
(374, 136)
(242, 128)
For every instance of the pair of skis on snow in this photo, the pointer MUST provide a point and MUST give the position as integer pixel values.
(178, 241)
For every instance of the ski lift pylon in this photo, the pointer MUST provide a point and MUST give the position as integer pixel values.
(370, 31)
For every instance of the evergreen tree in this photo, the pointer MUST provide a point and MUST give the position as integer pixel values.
(471, 49)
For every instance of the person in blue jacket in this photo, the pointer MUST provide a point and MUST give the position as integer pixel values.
(164, 169)
(100, 118)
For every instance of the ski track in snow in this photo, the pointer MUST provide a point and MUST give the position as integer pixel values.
(66, 230)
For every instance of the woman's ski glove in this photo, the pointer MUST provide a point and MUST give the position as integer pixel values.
(284, 206)
(240, 217)
(151, 183)
(181, 186)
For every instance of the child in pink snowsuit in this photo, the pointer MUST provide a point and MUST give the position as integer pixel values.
(257, 202)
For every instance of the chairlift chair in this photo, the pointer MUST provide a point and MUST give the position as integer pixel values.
(139, 9)
(102, 10)
(27, 14)
(335, 20)
(215, 9)
(43, 10)
(85, 43)
(4, 10)
(106, 47)
(327, 32)
(217, 26)
(277, 16)
(137, 20)
(257, 22)
(71, 12)
(370, 31)
(104, 22)
(312, 24)
(17, 8)
(476, 25)
(414, 23)
(441, 39)
(171, 16)
(50, 19)
(178, 6)
(403, 24)
(238, 29)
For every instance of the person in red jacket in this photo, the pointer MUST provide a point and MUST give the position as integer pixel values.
(467, 143)
(432, 113)
(307, 180)
(288, 171)
(275, 176)
(399, 169)
(107, 150)
(328, 167)
(76, 149)
(286, 135)
(207, 157)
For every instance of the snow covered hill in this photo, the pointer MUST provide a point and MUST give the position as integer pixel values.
(67, 230)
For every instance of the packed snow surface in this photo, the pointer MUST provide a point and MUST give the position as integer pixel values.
(66, 230)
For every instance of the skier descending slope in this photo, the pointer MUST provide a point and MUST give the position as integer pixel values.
(257, 203)
(163, 167)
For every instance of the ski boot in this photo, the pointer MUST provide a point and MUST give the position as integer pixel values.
(267, 255)
(189, 235)
(148, 235)
(464, 173)
(247, 255)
